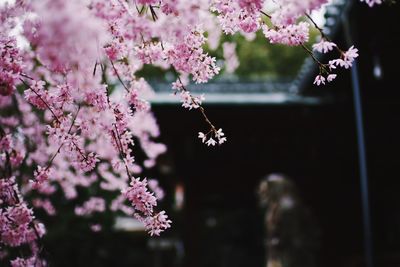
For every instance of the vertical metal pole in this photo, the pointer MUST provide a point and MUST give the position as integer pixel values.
(362, 155)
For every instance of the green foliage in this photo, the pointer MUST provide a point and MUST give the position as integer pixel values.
(259, 59)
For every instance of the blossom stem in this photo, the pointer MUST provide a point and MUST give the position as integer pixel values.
(117, 137)
(59, 148)
(323, 35)
(41, 98)
(321, 65)
(265, 14)
(119, 77)
(202, 110)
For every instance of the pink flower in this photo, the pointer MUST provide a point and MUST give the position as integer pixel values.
(113, 51)
(350, 55)
(88, 162)
(41, 175)
(10, 64)
(188, 57)
(142, 200)
(20, 214)
(149, 53)
(15, 225)
(97, 97)
(324, 46)
(37, 95)
(189, 101)
(292, 35)
(340, 63)
(211, 142)
(331, 77)
(202, 136)
(251, 4)
(319, 80)
(170, 7)
(157, 223)
(249, 24)
(139, 88)
(21, 262)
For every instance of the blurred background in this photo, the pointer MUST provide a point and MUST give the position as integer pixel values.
(226, 210)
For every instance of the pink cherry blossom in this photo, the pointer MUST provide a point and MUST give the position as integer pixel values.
(319, 80)
(157, 223)
(142, 200)
(324, 46)
(331, 77)
(78, 111)
(292, 35)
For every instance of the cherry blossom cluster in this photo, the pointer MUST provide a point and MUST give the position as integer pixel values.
(18, 226)
(75, 111)
(325, 46)
(282, 25)
(157, 223)
(213, 137)
(291, 35)
(10, 65)
(288, 30)
(242, 15)
(65, 125)
(188, 56)
(325, 70)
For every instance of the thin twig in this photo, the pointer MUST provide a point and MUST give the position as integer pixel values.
(119, 77)
(55, 116)
(265, 14)
(317, 27)
(59, 148)
(202, 110)
(117, 138)
(40, 97)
